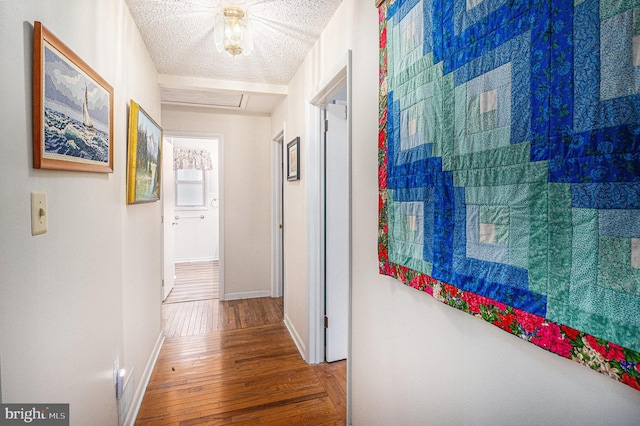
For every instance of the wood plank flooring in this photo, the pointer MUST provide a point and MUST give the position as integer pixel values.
(235, 363)
(209, 316)
(195, 281)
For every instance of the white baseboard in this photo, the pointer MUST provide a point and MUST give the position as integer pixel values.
(247, 295)
(296, 337)
(144, 381)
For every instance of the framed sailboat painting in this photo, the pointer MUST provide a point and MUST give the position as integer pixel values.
(72, 109)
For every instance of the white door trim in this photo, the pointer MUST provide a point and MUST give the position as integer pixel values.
(315, 228)
(221, 189)
(277, 273)
(168, 221)
(315, 180)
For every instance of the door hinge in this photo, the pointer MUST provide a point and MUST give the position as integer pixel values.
(161, 219)
(326, 321)
(342, 110)
(326, 125)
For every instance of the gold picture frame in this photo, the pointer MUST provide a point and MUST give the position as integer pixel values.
(144, 157)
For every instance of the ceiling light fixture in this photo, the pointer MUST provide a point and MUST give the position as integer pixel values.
(232, 32)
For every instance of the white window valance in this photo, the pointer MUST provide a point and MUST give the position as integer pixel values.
(199, 159)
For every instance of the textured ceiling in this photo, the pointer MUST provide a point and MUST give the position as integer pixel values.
(179, 36)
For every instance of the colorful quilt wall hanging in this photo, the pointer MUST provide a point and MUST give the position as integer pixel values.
(509, 167)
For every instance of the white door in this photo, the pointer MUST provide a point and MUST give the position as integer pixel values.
(169, 222)
(337, 231)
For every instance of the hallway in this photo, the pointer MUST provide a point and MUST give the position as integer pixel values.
(234, 362)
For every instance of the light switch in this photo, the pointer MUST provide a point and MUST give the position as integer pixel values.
(38, 212)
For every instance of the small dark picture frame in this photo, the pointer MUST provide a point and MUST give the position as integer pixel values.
(293, 159)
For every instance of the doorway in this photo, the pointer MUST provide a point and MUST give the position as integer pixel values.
(337, 226)
(329, 204)
(277, 215)
(192, 213)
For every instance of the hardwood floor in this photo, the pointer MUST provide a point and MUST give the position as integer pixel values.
(195, 281)
(235, 363)
(209, 316)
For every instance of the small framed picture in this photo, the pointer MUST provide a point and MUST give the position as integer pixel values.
(293, 159)
(72, 109)
(143, 157)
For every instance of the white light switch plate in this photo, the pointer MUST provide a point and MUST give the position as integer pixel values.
(38, 212)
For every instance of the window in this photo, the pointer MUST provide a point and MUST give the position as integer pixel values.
(190, 188)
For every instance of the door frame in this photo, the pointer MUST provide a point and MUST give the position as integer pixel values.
(220, 138)
(314, 163)
(277, 216)
(167, 142)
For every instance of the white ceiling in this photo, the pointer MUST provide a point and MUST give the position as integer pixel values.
(179, 36)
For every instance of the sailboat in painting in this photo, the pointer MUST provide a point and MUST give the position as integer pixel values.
(76, 120)
(74, 135)
(86, 119)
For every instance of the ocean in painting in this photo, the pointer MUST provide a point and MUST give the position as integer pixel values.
(76, 112)
(66, 136)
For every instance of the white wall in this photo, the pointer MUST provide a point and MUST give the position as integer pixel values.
(414, 360)
(296, 293)
(88, 291)
(246, 194)
(142, 228)
(198, 239)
